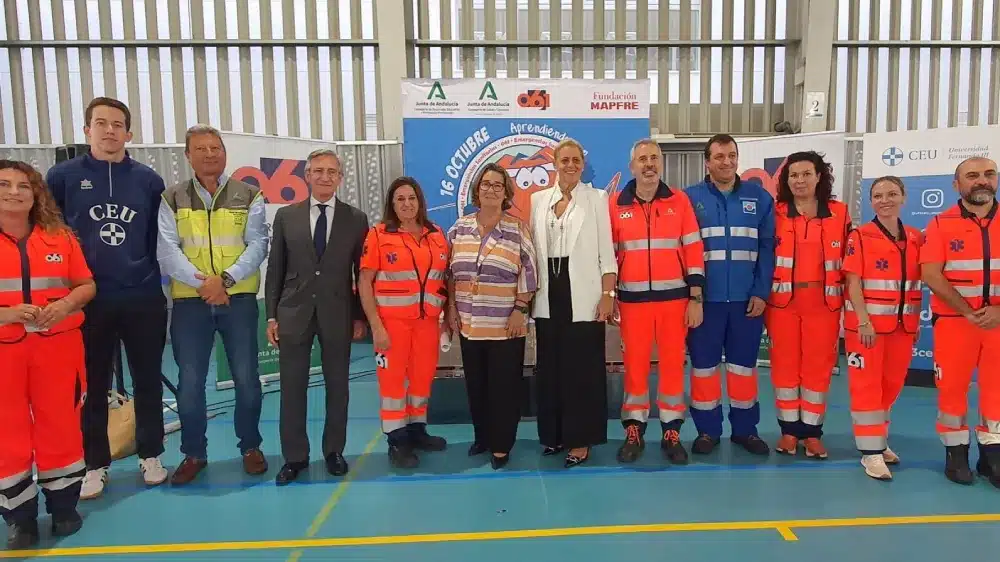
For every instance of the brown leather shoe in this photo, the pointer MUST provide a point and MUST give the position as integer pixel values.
(187, 471)
(254, 462)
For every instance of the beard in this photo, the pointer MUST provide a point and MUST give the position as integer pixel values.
(980, 195)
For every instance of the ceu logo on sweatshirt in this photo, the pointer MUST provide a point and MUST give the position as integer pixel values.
(114, 221)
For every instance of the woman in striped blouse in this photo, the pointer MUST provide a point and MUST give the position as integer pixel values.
(493, 278)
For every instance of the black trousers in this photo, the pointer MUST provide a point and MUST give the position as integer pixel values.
(571, 376)
(141, 325)
(294, 363)
(494, 383)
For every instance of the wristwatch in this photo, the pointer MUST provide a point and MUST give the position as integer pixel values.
(610, 293)
(522, 308)
(227, 280)
(697, 298)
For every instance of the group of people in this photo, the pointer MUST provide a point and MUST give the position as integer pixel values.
(82, 253)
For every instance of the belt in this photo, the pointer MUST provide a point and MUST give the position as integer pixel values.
(807, 284)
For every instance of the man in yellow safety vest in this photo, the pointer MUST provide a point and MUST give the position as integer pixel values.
(212, 241)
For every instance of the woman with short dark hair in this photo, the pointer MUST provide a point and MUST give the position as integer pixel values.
(807, 294)
(493, 279)
(403, 293)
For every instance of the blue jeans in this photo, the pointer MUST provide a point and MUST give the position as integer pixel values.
(192, 333)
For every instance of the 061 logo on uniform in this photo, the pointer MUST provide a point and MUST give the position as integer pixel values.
(856, 360)
(381, 361)
(54, 258)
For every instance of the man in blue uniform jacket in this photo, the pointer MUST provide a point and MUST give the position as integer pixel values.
(737, 226)
(112, 201)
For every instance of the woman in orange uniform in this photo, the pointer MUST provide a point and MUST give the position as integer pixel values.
(803, 312)
(403, 292)
(882, 316)
(44, 283)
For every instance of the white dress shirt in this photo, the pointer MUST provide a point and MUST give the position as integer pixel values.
(314, 215)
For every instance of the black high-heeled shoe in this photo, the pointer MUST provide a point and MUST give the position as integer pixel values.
(549, 451)
(573, 460)
(499, 462)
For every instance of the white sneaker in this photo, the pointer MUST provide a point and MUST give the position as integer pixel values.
(890, 457)
(875, 467)
(93, 484)
(152, 471)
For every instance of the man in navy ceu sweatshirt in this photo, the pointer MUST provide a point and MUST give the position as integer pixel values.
(112, 201)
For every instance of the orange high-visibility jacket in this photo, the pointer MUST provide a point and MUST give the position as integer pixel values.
(39, 269)
(836, 224)
(970, 250)
(658, 245)
(890, 277)
(409, 278)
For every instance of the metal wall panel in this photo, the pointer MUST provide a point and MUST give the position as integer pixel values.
(915, 64)
(255, 66)
(710, 70)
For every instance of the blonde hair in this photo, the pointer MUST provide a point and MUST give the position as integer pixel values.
(569, 143)
(44, 211)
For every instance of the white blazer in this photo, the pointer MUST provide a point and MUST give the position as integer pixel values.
(591, 250)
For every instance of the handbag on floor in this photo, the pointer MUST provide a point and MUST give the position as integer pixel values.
(121, 425)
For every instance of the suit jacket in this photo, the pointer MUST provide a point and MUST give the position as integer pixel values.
(591, 250)
(299, 285)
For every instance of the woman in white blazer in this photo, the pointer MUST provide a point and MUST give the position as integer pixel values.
(571, 229)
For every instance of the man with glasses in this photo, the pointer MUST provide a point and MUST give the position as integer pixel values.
(309, 291)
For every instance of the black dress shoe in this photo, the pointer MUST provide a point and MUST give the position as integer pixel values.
(66, 525)
(23, 534)
(289, 472)
(499, 462)
(420, 440)
(476, 449)
(336, 465)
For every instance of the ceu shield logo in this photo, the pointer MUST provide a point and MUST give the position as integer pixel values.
(750, 207)
(892, 156)
(112, 234)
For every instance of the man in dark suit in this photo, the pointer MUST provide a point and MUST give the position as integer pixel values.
(315, 256)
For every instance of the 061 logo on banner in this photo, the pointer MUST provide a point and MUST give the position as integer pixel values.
(281, 180)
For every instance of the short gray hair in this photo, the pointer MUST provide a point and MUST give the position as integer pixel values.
(643, 142)
(201, 129)
(322, 152)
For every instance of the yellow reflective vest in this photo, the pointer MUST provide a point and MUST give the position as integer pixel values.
(212, 239)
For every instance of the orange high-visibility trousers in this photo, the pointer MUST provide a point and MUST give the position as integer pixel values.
(641, 325)
(959, 349)
(406, 370)
(876, 376)
(42, 388)
(805, 339)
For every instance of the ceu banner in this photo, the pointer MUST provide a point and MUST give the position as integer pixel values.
(763, 159)
(926, 161)
(451, 128)
(277, 166)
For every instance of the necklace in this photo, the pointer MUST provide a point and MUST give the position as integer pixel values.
(561, 223)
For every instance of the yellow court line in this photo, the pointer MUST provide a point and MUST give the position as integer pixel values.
(507, 535)
(787, 534)
(338, 493)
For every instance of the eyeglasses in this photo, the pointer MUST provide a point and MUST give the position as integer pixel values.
(491, 186)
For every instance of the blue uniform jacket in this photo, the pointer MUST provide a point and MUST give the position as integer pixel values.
(738, 233)
(113, 209)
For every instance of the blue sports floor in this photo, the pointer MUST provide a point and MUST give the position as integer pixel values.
(728, 505)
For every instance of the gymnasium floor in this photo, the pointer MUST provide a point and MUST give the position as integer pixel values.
(454, 508)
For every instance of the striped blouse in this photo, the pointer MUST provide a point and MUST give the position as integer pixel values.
(490, 273)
